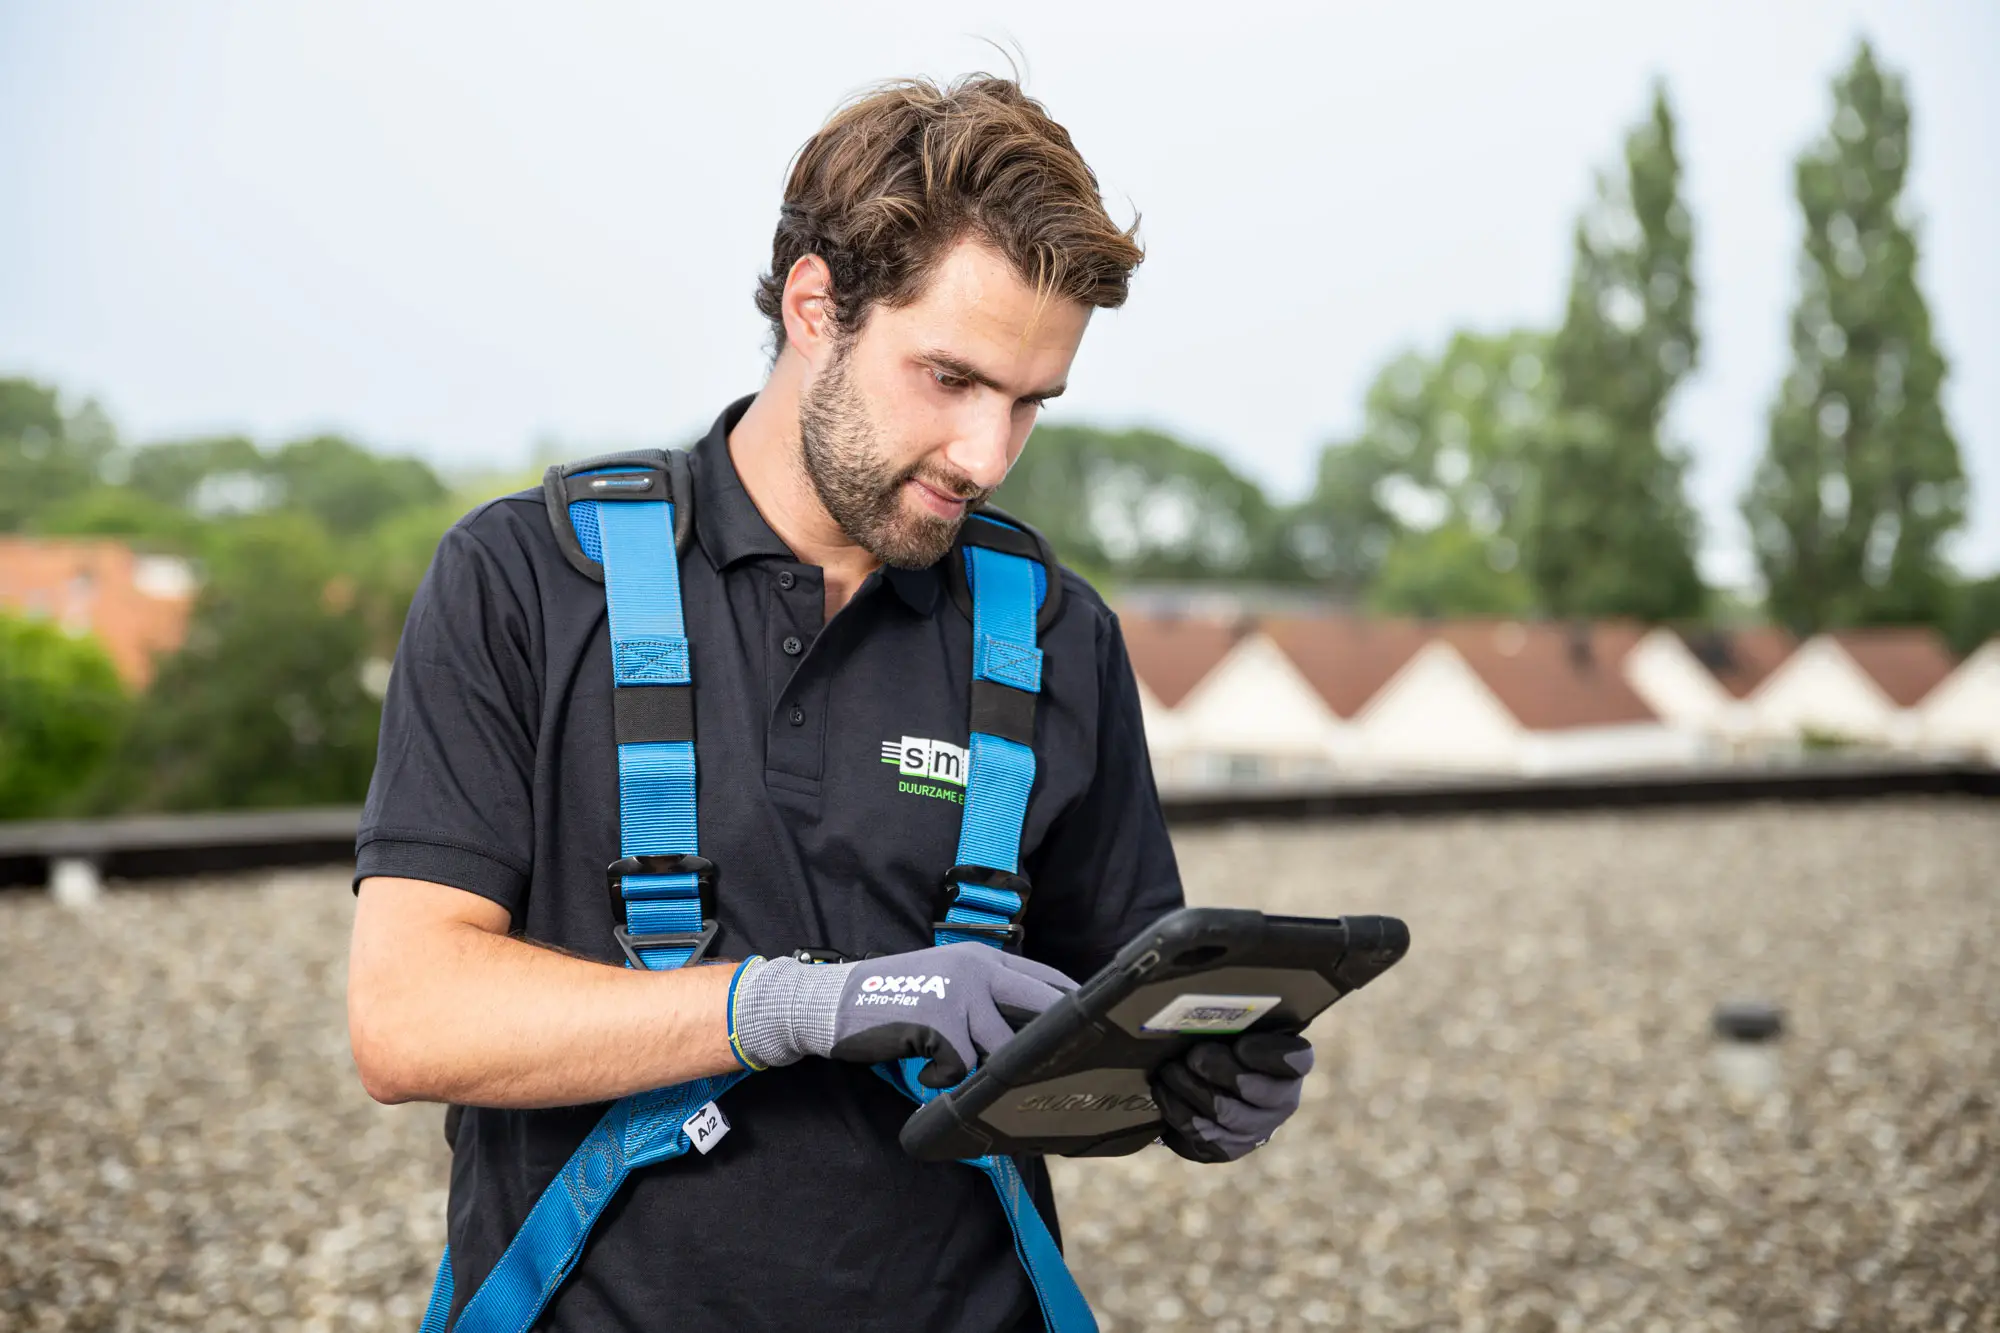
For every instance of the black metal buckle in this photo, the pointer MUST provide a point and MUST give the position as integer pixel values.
(697, 942)
(985, 877)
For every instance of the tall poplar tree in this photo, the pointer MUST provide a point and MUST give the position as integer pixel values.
(1611, 531)
(1860, 481)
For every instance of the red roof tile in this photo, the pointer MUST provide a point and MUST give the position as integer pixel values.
(1347, 659)
(1907, 661)
(1553, 677)
(1740, 659)
(1172, 654)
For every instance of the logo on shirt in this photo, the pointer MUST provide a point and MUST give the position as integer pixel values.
(929, 768)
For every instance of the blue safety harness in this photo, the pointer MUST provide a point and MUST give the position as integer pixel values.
(627, 515)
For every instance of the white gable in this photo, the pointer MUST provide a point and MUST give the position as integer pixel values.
(1963, 712)
(1437, 713)
(1255, 700)
(1162, 726)
(1821, 689)
(1673, 682)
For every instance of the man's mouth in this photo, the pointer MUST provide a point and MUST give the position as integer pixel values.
(940, 502)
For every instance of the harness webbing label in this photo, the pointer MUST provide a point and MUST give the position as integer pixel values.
(706, 1127)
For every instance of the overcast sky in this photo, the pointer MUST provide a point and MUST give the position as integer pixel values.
(462, 228)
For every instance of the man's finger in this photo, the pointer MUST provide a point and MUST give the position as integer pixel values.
(1188, 1086)
(989, 1028)
(1216, 1061)
(1020, 993)
(1269, 1094)
(1279, 1054)
(1041, 972)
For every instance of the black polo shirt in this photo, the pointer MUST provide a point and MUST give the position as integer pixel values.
(497, 774)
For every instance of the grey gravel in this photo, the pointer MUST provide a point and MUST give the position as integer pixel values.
(1524, 1127)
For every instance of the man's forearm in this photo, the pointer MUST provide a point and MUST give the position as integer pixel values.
(444, 1006)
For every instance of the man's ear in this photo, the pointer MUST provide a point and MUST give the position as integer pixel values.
(808, 308)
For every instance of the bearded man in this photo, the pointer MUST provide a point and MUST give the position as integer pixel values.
(937, 259)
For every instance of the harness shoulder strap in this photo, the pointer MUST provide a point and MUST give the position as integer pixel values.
(1012, 585)
(626, 518)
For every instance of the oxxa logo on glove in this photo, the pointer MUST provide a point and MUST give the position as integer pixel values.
(900, 990)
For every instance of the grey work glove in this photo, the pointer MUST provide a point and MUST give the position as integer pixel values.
(954, 1005)
(1224, 1099)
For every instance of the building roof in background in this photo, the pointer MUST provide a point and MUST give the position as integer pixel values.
(1172, 654)
(1740, 659)
(1346, 659)
(1553, 676)
(1906, 661)
(136, 605)
(1550, 675)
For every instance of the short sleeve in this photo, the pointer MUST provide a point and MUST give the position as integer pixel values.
(1106, 871)
(451, 800)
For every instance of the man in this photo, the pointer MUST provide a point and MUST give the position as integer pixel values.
(936, 262)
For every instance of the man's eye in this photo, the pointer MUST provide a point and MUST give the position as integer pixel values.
(947, 380)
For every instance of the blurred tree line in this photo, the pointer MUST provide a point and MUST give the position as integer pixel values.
(307, 556)
(1526, 472)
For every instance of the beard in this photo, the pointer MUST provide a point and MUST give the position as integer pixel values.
(840, 448)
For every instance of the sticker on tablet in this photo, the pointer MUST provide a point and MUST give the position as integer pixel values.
(1210, 1013)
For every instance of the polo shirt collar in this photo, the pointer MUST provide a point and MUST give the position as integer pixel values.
(730, 529)
(726, 521)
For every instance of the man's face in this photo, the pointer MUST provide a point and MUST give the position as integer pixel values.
(910, 423)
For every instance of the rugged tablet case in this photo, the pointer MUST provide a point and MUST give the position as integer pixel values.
(1076, 1081)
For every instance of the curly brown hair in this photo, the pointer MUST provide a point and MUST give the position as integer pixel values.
(901, 173)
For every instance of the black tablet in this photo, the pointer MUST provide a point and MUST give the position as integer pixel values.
(1076, 1081)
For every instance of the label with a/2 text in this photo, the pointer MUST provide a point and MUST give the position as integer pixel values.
(706, 1127)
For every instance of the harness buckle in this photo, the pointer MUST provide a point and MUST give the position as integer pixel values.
(984, 877)
(697, 942)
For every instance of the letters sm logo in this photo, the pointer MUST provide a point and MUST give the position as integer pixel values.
(929, 768)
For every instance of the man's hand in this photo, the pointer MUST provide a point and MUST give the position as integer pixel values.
(954, 1005)
(1224, 1099)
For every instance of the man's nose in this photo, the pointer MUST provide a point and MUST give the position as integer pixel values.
(980, 451)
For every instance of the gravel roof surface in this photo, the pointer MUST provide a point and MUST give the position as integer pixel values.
(1523, 1127)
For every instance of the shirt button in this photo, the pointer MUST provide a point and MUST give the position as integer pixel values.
(798, 717)
(793, 646)
(787, 579)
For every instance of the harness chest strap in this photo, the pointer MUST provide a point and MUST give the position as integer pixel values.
(620, 515)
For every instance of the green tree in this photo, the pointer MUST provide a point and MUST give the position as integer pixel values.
(61, 708)
(346, 487)
(1861, 480)
(125, 513)
(1142, 504)
(209, 476)
(1975, 613)
(1448, 571)
(1447, 443)
(263, 705)
(1611, 531)
(46, 455)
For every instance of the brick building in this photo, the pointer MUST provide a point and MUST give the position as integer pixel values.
(136, 605)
